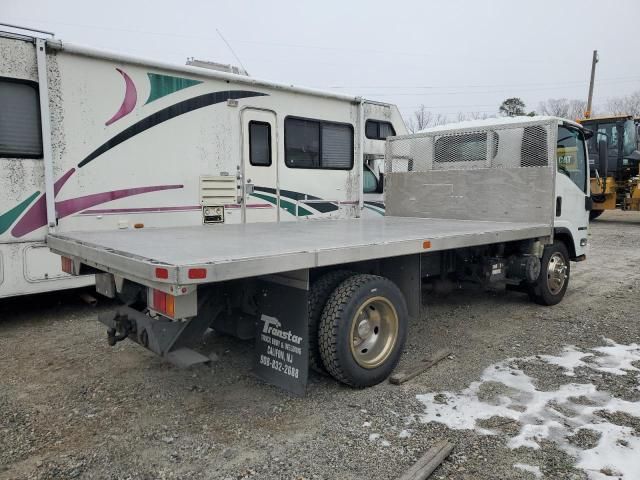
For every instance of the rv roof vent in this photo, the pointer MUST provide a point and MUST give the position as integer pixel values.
(221, 67)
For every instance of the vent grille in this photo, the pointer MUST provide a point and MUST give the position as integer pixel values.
(217, 190)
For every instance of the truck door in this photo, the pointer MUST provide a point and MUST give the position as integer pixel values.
(260, 166)
(572, 183)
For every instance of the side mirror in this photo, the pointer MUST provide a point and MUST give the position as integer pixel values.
(603, 158)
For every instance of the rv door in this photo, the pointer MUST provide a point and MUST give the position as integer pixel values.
(260, 198)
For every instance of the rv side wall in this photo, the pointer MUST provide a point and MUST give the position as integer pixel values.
(131, 143)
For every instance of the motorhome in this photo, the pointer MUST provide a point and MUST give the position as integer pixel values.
(95, 141)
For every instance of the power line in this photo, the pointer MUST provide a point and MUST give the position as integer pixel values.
(574, 82)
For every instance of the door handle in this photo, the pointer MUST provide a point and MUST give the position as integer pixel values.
(558, 206)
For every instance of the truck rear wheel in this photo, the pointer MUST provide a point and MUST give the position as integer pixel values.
(551, 285)
(363, 330)
(319, 293)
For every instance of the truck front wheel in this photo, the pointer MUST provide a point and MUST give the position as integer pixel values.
(363, 330)
(551, 285)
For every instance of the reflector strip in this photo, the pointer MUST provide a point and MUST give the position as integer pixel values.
(426, 244)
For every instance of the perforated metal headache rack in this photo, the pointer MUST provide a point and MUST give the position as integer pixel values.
(463, 187)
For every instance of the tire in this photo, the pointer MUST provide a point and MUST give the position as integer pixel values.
(549, 289)
(593, 214)
(319, 293)
(381, 332)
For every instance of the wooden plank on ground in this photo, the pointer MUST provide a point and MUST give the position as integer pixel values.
(401, 377)
(431, 460)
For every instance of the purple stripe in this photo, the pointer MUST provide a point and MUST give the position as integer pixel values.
(36, 216)
(130, 99)
(33, 219)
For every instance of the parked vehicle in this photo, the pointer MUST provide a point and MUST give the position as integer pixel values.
(615, 182)
(98, 141)
(493, 202)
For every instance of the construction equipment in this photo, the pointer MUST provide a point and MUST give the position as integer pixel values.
(615, 182)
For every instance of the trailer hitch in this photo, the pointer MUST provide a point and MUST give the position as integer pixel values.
(123, 327)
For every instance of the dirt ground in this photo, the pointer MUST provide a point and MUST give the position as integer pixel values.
(73, 407)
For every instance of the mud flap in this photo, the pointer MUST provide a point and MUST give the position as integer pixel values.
(282, 337)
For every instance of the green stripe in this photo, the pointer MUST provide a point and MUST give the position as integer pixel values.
(162, 85)
(7, 219)
(288, 206)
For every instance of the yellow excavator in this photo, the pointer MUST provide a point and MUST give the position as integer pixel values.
(614, 163)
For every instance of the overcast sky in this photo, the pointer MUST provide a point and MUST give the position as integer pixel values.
(452, 56)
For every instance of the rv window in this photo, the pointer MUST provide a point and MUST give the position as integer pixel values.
(259, 144)
(20, 135)
(377, 130)
(317, 144)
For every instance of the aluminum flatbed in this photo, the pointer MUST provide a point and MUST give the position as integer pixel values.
(338, 294)
(238, 251)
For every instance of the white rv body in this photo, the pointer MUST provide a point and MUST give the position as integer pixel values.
(140, 144)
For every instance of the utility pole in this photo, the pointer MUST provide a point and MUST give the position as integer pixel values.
(587, 114)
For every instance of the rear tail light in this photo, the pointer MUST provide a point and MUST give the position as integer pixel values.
(164, 303)
(67, 265)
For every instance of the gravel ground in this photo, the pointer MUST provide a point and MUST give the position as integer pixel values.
(73, 407)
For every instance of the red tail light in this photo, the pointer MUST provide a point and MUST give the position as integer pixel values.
(164, 303)
(197, 273)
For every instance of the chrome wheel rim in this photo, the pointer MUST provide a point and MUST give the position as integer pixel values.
(374, 332)
(556, 273)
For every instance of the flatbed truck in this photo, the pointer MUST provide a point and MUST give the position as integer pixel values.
(490, 202)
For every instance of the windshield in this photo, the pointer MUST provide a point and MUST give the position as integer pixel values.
(613, 133)
(571, 156)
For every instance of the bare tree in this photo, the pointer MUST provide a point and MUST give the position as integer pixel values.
(577, 109)
(477, 116)
(627, 105)
(562, 107)
(422, 118)
(556, 107)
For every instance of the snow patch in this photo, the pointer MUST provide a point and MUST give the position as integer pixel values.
(404, 434)
(550, 415)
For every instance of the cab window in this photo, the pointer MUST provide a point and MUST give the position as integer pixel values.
(571, 157)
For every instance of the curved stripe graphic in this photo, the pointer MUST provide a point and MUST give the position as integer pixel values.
(165, 114)
(7, 218)
(36, 217)
(130, 99)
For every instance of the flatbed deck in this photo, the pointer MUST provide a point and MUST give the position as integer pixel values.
(238, 251)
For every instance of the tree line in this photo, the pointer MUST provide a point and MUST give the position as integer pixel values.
(572, 109)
